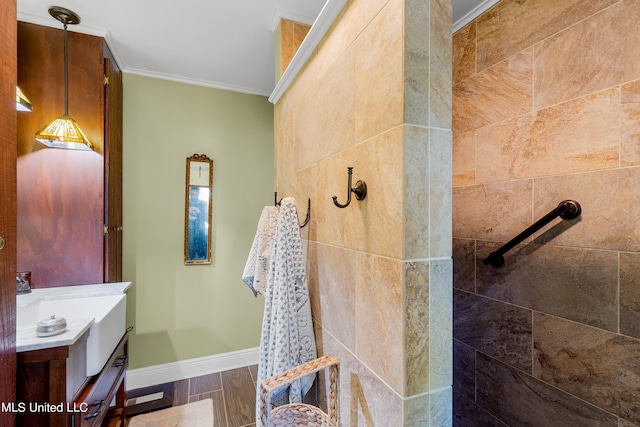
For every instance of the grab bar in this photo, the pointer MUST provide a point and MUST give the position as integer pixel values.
(567, 209)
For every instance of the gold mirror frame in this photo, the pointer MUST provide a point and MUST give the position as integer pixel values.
(197, 210)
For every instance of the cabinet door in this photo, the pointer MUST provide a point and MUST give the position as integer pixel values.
(60, 192)
(8, 218)
(113, 172)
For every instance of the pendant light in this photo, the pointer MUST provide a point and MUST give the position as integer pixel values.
(22, 103)
(64, 132)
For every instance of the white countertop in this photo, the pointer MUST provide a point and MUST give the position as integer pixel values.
(26, 338)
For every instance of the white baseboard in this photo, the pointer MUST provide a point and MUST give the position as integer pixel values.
(175, 371)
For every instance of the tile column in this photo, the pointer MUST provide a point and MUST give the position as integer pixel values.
(427, 261)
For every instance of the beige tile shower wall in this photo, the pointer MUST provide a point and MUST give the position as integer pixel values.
(376, 96)
(328, 120)
(546, 107)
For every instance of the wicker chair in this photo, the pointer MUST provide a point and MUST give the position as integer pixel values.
(301, 414)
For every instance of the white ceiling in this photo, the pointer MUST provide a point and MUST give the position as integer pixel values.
(226, 44)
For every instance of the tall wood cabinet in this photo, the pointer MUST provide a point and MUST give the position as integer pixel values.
(113, 172)
(8, 66)
(69, 202)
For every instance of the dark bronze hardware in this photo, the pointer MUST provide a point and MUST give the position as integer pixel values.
(360, 190)
(567, 209)
(306, 221)
(123, 359)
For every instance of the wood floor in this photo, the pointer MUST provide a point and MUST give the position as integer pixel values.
(233, 393)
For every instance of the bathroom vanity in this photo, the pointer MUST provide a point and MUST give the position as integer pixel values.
(76, 378)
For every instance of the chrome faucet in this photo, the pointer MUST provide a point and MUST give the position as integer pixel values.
(23, 282)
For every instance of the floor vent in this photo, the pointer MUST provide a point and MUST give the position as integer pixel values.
(149, 399)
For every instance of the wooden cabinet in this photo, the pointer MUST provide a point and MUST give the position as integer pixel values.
(51, 376)
(8, 66)
(102, 389)
(57, 377)
(113, 172)
(67, 199)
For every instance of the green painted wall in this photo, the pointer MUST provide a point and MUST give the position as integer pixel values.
(182, 312)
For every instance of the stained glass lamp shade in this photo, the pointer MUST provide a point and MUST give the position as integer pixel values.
(64, 132)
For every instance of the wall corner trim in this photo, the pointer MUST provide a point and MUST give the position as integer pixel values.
(319, 28)
(184, 369)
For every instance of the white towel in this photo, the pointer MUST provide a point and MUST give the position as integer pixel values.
(256, 270)
(287, 337)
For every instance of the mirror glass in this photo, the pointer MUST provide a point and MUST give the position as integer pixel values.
(197, 231)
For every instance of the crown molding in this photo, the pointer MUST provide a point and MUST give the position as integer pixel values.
(473, 14)
(195, 82)
(108, 39)
(53, 23)
(279, 13)
(319, 28)
(106, 35)
(83, 29)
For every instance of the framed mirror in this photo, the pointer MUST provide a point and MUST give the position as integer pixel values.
(197, 211)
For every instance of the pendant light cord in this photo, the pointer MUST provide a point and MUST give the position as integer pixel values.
(66, 74)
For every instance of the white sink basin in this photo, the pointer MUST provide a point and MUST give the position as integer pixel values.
(108, 312)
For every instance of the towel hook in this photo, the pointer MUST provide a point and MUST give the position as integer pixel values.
(306, 221)
(360, 190)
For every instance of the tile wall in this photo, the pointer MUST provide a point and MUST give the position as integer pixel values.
(546, 107)
(376, 96)
(292, 35)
